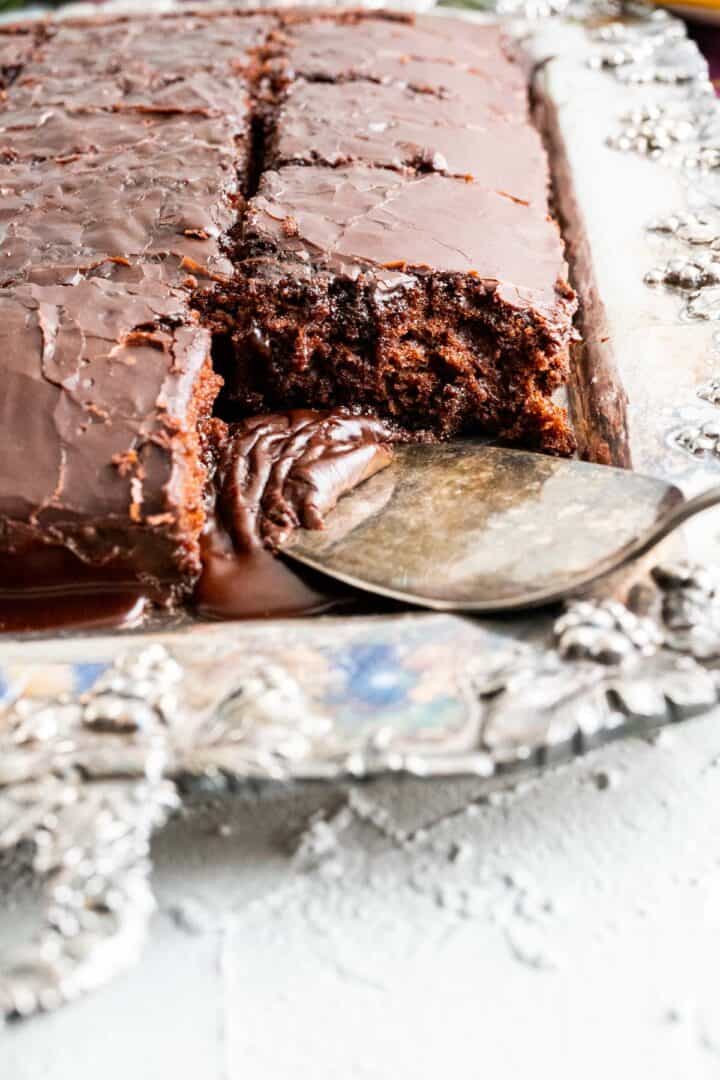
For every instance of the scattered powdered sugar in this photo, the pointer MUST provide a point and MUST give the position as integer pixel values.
(529, 948)
(318, 845)
(452, 873)
(190, 916)
(606, 778)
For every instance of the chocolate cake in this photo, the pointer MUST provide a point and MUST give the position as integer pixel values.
(105, 388)
(317, 210)
(432, 299)
(398, 253)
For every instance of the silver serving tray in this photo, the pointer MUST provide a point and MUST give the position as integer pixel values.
(102, 735)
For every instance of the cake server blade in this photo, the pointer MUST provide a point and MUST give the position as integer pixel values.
(463, 526)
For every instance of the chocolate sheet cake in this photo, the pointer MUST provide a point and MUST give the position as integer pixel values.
(317, 210)
(398, 252)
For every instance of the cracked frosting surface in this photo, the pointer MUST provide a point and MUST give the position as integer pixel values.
(355, 218)
(176, 43)
(428, 54)
(392, 126)
(162, 195)
(114, 376)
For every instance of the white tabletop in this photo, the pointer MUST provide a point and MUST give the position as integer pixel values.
(568, 928)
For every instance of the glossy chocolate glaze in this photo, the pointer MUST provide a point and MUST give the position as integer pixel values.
(175, 42)
(254, 584)
(282, 472)
(64, 215)
(72, 611)
(389, 125)
(278, 473)
(46, 588)
(99, 381)
(357, 218)
(426, 54)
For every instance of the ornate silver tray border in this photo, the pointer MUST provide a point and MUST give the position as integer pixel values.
(101, 737)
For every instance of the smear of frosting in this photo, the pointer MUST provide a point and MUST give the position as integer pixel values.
(278, 473)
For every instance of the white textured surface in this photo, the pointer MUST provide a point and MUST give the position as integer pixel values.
(571, 928)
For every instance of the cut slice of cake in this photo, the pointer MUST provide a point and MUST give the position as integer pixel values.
(433, 301)
(106, 388)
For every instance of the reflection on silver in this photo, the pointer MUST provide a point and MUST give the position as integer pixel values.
(463, 526)
(654, 129)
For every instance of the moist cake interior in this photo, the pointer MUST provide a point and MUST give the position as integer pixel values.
(210, 217)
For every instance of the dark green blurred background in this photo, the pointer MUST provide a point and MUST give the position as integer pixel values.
(13, 5)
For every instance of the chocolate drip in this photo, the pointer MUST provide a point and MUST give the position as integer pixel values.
(72, 611)
(278, 473)
(286, 471)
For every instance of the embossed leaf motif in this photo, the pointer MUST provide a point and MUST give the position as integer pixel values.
(697, 228)
(91, 846)
(607, 632)
(689, 273)
(534, 701)
(710, 391)
(611, 671)
(655, 49)
(691, 609)
(654, 129)
(705, 304)
(264, 725)
(539, 707)
(90, 841)
(695, 271)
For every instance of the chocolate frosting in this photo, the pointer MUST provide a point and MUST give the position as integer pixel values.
(392, 126)
(277, 473)
(179, 42)
(330, 48)
(288, 470)
(356, 218)
(122, 139)
(98, 381)
(427, 54)
(41, 132)
(209, 93)
(160, 196)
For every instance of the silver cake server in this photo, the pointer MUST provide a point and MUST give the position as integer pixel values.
(463, 526)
